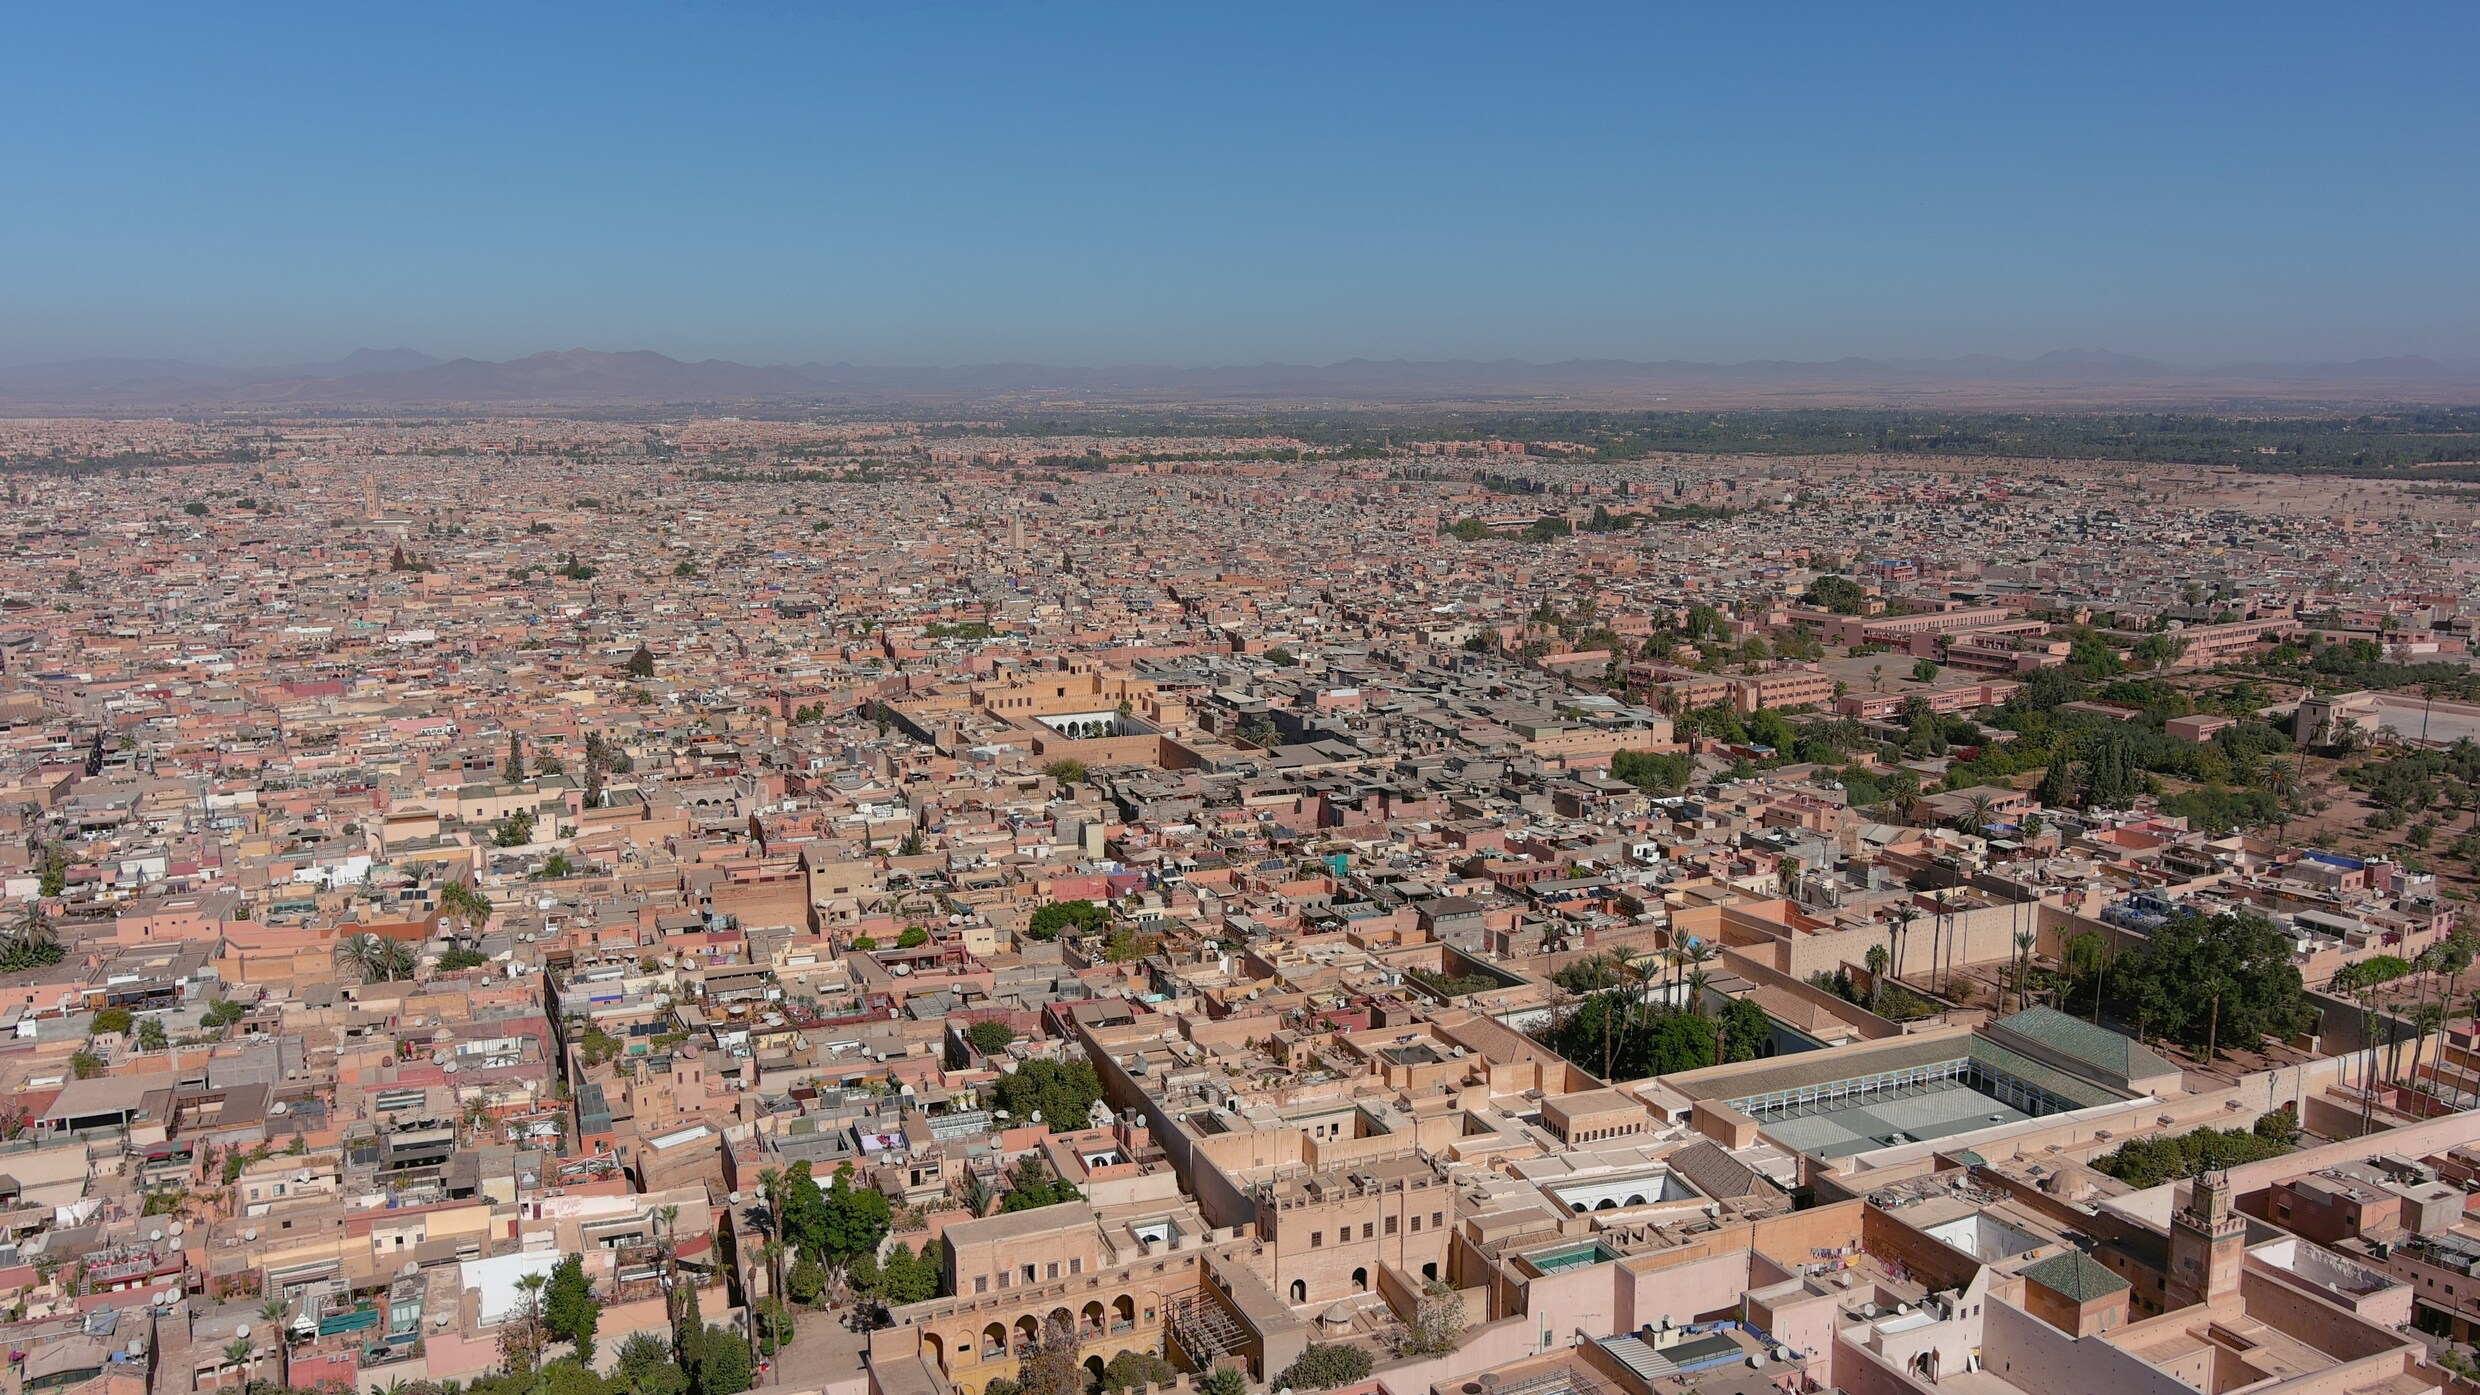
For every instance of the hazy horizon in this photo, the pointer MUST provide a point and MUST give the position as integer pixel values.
(1100, 186)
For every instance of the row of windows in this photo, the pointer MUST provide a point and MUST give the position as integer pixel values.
(1369, 1231)
(1597, 1135)
(1024, 1274)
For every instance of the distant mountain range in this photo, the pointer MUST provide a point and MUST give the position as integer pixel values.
(404, 379)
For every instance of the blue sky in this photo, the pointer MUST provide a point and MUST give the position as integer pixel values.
(1175, 183)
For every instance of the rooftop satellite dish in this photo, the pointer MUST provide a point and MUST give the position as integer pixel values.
(250, 1234)
(411, 1268)
(439, 1319)
(176, 1227)
(155, 1234)
(243, 1331)
(278, 1107)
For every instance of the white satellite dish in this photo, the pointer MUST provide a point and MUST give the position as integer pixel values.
(155, 1234)
(243, 1331)
(250, 1234)
(175, 1227)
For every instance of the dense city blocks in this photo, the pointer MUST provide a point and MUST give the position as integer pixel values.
(904, 904)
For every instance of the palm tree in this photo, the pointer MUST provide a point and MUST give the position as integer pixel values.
(1700, 954)
(2425, 1019)
(1976, 813)
(1640, 965)
(2282, 784)
(376, 958)
(34, 943)
(1697, 979)
(669, 1218)
(2024, 941)
(1876, 959)
(239, 1352)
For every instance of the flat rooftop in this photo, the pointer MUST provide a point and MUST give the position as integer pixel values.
(1927, 1113)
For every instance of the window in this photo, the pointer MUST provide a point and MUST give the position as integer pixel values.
(1316, 1238)
(1368, 1230)
(1003, 1281)
(1054, 1270)
(981, 1283)
(1390, 1225)
(1416, 1225)
(1437, 1219)
(1028, 1273)
(1077, 1265)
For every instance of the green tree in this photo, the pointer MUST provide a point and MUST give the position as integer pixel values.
(1924, 670)
(640, 664)
(1033, 1186)
(1223, 1380)
(725, 1367)
(111, 1022)
(1653, 772)
(645, 1365)
(569, 1308)
(856, 1218)
(1839, 594)
(1745, 1030)
(1323, 1366)
(805, 1280)
(1066, 772)
(990, 1037)
(151, 1035)
(85, 1065)
(2201, 980)
(904, 1277)
(1135, 1370)
(1084, 916)
(1061, 1092)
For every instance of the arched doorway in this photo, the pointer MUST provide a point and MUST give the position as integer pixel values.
(935, 1349)
(1300, 1290)
(1360, 1280)
(1093, 1373)
(1093, 1319)
(1062, 1321)
(1123, 1314)
(994, 1342)
(1028, 1332)
(1430, 1271)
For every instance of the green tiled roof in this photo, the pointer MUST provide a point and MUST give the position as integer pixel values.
(2083, 1093)
(2099, 1047)
(2075, 1276)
